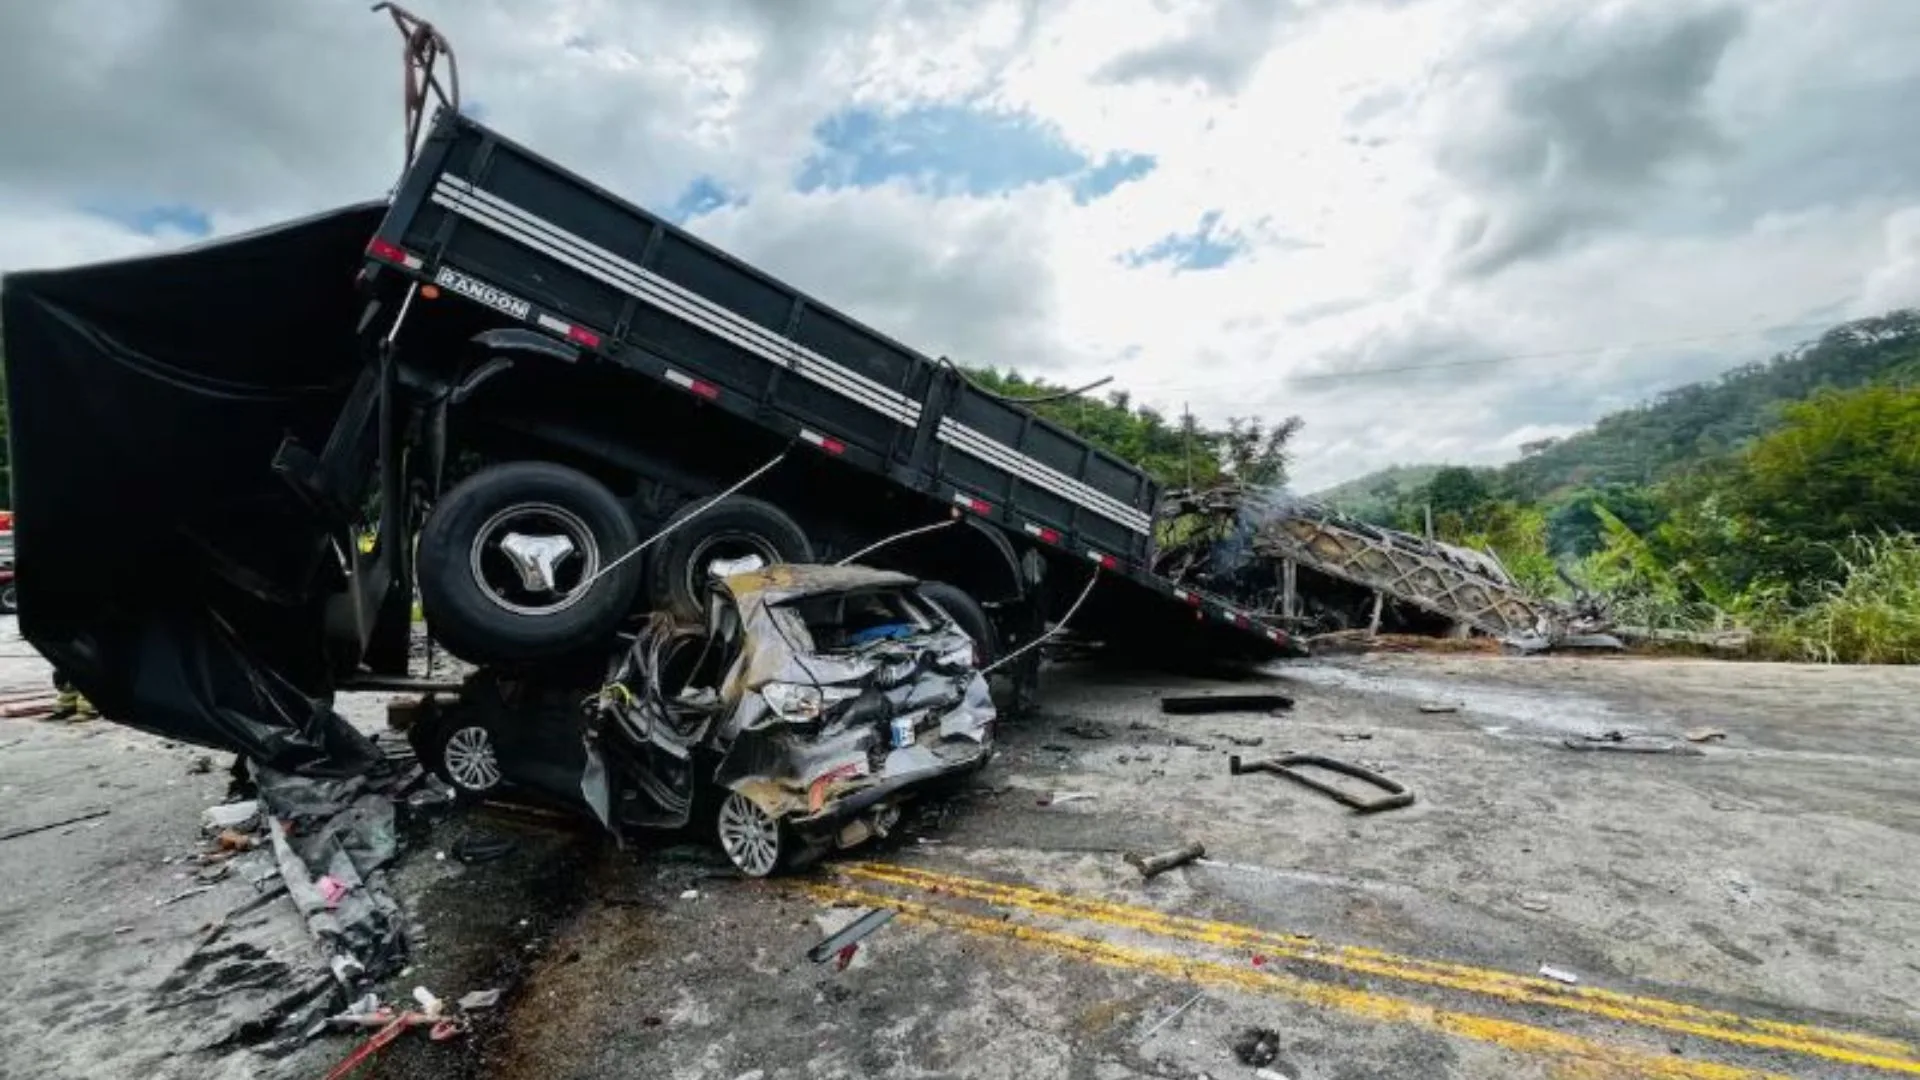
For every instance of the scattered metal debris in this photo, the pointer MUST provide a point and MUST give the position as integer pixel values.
(29, 830)
(1257, 1047)
(1196, 704)
(1438, 707)
(1152, 866)
(1561, 975)
(1171, 1017)
(1355, 736)
(1060, 797)
(476, 1000)
(849, 935)
(1621, 742)
(182, 895)
(1706, 734)
(1287, 765)
(1533, 902)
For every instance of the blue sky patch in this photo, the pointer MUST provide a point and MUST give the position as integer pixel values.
(703, 196)
(1117, 169)
(956, 150)
(153, 219)
(1205, 248)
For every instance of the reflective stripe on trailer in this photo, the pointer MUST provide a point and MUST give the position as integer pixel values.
(978, 506)
(579, 335)
(825, 442)
(1041, 532)
(698, 387)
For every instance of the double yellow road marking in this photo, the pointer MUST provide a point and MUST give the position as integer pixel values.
(1835, 1046)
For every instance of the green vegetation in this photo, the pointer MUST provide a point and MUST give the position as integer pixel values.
(1180, 453)
(1783, 497)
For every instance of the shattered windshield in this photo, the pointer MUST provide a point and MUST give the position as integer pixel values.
(840, 622)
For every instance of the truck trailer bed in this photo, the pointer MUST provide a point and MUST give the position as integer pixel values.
(485, 219)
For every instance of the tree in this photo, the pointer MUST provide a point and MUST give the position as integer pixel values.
(1574, 526)
(1456, 490)
(1256, 456)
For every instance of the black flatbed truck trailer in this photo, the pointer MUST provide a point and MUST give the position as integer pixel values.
(620, 344)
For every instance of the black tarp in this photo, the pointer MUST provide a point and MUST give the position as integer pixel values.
(162, 564)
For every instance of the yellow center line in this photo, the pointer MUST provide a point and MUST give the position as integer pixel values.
(1596, 1057)
(1847, 1047)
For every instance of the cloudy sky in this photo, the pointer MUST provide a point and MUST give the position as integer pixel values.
(1436, 229)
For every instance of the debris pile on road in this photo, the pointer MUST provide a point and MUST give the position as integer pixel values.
(1308, 567)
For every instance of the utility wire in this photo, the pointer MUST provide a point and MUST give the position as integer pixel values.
(1553, 354)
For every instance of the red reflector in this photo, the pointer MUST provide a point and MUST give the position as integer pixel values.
(704, 389)
(1109, 562)
(1051, 536)
(833, 446)
(381, 249)
(1240, 620)
(588, 338)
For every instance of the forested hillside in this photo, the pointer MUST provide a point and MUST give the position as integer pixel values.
(1706, 420)
(1782, 496)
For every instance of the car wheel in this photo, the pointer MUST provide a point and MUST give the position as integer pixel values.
(754, 840)
(9, 600)
(967, 612)
(468, 758)
(737, 527)
(518, 562)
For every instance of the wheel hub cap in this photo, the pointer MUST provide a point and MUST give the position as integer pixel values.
(535, 557)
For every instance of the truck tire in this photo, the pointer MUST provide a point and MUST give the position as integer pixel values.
(972, 618)
(508, 560)
(736, 526)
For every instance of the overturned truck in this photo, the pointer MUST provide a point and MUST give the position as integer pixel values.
(551, 417)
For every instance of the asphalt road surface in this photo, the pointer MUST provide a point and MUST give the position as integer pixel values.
(1745, 909)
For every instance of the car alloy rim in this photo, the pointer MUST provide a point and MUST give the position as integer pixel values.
(750, 837)
(534, 559)
(470, 759)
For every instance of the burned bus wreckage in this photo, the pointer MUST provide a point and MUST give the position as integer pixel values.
(1310, 568)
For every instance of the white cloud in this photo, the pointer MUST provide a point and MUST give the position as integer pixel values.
(1417, 181)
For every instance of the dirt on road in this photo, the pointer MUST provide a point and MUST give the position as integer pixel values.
(1742, 907)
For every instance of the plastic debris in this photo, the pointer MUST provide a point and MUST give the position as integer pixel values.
(690, 894)
(332, 890)
(1059, 797)
(1561, 975)
(235, 815)
(1533, 902)
(479, 999)
(1270, 1074)
(1438, 707)
(428, 1002)
(1706, 734)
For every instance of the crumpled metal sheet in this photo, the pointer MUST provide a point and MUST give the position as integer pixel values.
(817, 771)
